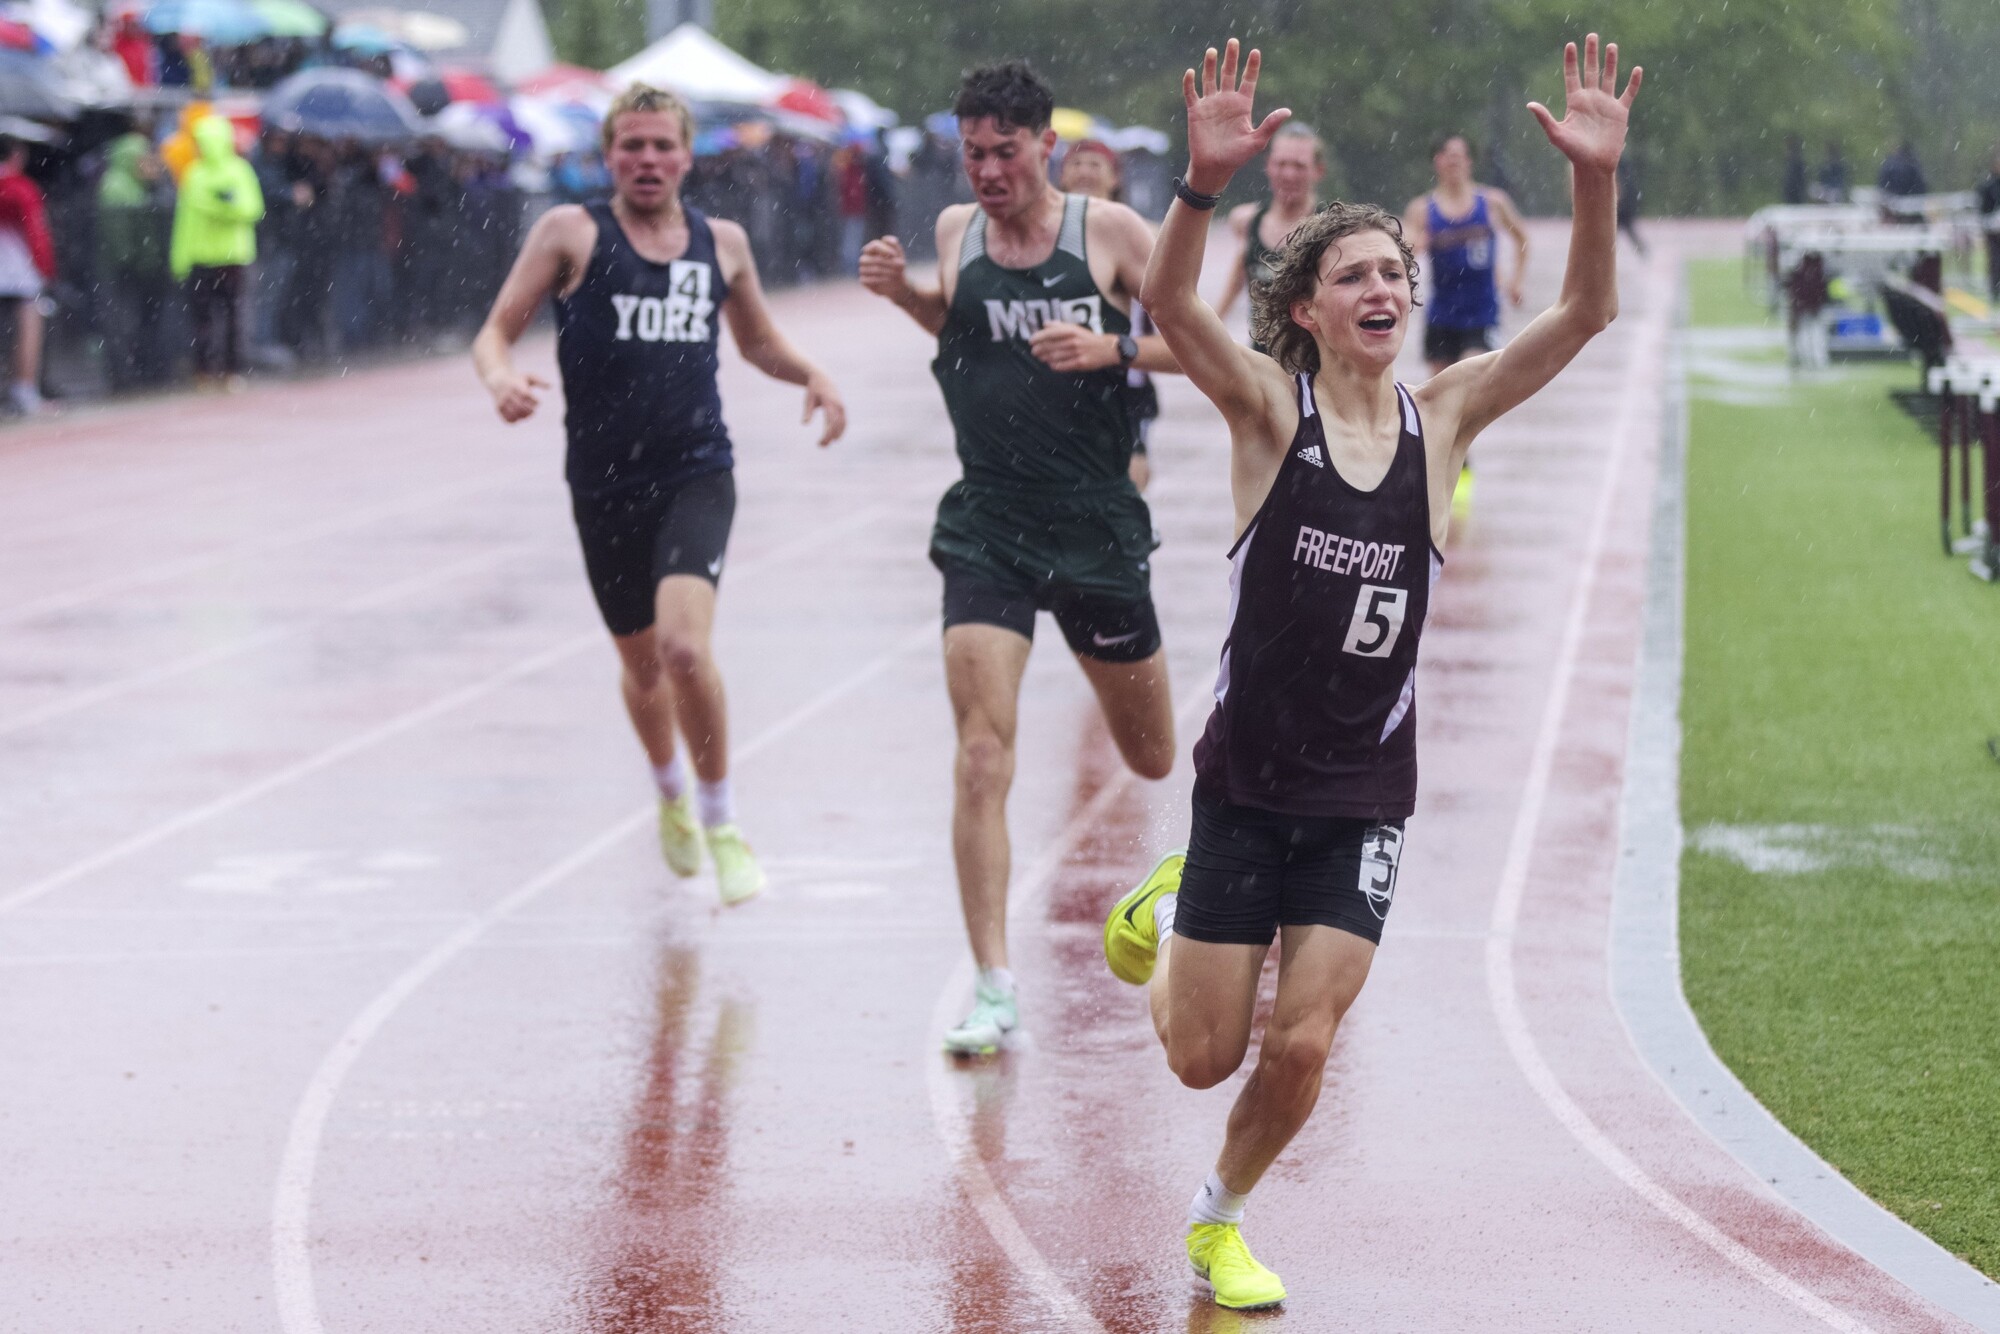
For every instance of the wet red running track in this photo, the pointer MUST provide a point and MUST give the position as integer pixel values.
(341, 988)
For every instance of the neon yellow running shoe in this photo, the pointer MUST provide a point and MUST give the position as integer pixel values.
(1131, 940)
(680, 835)
(1217, 1252)
(737, 873)
(1461, 494)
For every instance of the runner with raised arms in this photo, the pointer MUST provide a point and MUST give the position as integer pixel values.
(1342, 482)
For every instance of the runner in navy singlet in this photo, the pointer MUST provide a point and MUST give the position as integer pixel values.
(1341, 479)
(641, 287)
(1456, 228)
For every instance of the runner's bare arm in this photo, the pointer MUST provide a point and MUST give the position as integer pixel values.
(1417, 224)
(1237, 281)
(551, 260)
(1116, 231)
(1221, 138)
(1467, 398)
(1509, 218)
(884, 270)
(760, 340)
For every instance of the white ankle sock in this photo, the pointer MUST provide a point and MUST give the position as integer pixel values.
(1163, 915)
(997, 979)
(714, 802)
(672, 778)
(1216, 1203)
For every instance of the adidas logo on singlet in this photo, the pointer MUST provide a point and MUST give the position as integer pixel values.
(1311, 454)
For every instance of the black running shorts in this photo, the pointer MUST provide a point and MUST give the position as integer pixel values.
(1250, 871)
(1449, 345)
(1107, 629)
(634, 539)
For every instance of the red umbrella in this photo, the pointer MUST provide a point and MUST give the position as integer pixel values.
(17, 36)
(561, 78)
(465, 85)
(809, 99)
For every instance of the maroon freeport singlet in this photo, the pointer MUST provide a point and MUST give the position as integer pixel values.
(1315, 704)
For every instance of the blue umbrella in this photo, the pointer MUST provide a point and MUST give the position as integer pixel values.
(336, 103)
(223, 22)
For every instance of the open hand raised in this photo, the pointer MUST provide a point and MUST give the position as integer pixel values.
(1591, 133)
(1221, 136)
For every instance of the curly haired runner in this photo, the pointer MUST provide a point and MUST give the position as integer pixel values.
(1342, 482)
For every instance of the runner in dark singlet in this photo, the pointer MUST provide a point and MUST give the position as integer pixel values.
(1092, 169)
(1295, 167)
(1341, 481)
(1456, 228)
(639, 284)
(1030, 309)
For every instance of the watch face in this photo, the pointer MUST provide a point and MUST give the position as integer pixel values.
(1128, 348)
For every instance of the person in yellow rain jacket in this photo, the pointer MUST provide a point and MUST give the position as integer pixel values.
(178, 151)
(215, 237)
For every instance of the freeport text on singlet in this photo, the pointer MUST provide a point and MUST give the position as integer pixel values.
(1345, 555)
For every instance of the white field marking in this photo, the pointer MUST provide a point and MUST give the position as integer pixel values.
(293, 537)
(361, 741)
(953, 1127)
(1647, 354)
(291, 1207)
(166, 671)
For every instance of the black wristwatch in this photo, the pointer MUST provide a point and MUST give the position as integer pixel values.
(1128, 350)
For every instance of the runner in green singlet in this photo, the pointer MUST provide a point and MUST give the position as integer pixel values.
(1031, 311)
(1295, 167)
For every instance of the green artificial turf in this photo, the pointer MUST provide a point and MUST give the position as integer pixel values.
(1840, 893)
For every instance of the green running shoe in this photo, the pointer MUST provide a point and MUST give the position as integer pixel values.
(680, 835)
(994, 1015)
(1131, 941)
(1217, 1252)
(737, 874)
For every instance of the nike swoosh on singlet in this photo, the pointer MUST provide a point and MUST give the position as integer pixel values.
(1052, 281)
(1102, 642)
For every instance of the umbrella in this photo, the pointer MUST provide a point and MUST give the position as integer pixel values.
(290, 18)
(20, 37)
(464, 126)
(806, 98)
(32, 87)
(223, 22)
(1069, 123)
(433, 94)
(413, 27)
(364, 37)
(341, 104)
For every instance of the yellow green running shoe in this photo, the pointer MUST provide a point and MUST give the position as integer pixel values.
(737, 873)
(680, 835)
(1217, 1252)
(1131, 941)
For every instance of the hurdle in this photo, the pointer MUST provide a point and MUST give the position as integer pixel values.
(1968, 392)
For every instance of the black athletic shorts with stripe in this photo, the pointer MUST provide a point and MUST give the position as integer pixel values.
(1250, 871)
(634, 538)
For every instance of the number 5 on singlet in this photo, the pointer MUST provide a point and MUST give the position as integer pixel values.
(1377, 622)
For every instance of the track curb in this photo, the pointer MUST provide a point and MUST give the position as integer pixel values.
(1645, 934)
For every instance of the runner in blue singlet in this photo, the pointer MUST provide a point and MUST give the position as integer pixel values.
(1454, 228)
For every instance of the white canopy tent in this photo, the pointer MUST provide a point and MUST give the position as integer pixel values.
(690, 62)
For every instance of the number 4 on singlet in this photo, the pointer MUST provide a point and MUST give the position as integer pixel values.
(1377, 622)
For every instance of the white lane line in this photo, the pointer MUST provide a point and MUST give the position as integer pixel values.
(291, 1208)
(396, 726)
(954, 1127)
(208, 657)
(291, 537)
(1647, 353)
